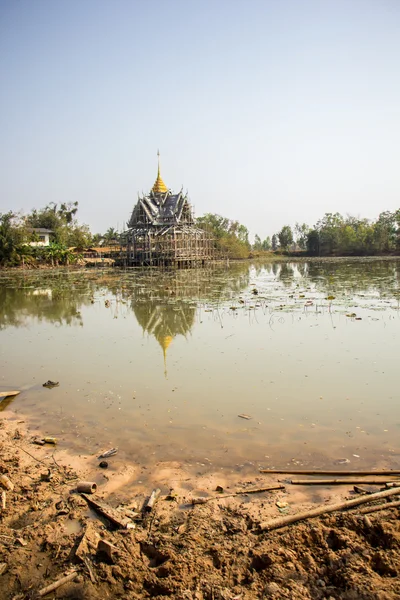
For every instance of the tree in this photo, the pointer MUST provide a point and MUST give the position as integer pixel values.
(313, 242)
(11, 239)
(285, 237)
(257, 243)
(111, 235)
(62, 222)
(266, 245)
(274, 242)
(231, 237)
(301, 235)
(386, 231)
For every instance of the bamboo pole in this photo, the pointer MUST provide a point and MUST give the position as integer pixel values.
(371, 509)
(321, 510)
(50, 588)
(314, 472)
(342, 481)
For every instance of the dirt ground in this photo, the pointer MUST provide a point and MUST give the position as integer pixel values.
(210, 551)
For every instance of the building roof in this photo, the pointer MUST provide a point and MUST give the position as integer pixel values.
(40, 230)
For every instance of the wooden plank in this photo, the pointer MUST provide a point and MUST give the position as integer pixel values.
(108, 512)
(10, 393)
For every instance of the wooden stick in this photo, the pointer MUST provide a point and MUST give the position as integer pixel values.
(341, 481)
(3, 500)
(339, 473)
(270, 488)
(238, 493)
(370, 509)
(321, 510)
(50, 588)
(205, 500)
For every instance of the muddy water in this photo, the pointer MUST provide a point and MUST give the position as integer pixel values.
(161, 364)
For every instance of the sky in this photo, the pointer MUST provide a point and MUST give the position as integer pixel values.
(269, 112)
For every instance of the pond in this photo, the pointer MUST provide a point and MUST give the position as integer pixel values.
(162, 363)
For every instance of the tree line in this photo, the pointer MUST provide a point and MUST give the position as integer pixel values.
(333, 235)
(17, 234)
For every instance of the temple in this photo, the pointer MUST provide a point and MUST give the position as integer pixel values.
(162, 231)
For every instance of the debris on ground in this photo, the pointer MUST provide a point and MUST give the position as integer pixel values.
(51, 384)
(59, 543)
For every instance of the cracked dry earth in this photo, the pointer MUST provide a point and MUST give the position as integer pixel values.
(204, 552)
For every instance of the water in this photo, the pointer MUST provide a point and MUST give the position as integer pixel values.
(161, 364)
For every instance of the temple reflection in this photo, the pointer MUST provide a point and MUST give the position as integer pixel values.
(165, 321)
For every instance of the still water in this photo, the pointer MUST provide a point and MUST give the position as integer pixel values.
(161, 364)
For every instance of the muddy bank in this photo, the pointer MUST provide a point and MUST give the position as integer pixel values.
(177, 550)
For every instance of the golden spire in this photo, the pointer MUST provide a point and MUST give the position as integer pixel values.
(164, 342)
(159, 187)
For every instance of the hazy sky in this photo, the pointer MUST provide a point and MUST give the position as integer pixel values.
(266, 111)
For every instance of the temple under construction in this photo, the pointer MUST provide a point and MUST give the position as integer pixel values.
(162, 231)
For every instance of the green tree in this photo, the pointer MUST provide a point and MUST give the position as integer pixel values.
(266, 245)
(231, 237)
(301, 232)
(12, 235)
(111, 235)
(285, 237)
(274, 242)
(61, 220)
(257, 245)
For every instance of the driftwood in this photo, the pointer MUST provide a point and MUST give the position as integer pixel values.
(108, 512)
(339, 473)
(50, 588)
(321, 510)
(6, 394)
(341, 482)
(153, 497)
(371, 509)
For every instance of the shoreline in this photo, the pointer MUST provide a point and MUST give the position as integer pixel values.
(219, 262)
(179, 550)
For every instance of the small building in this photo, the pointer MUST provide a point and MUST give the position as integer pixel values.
(162, 231)
(40, 236)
